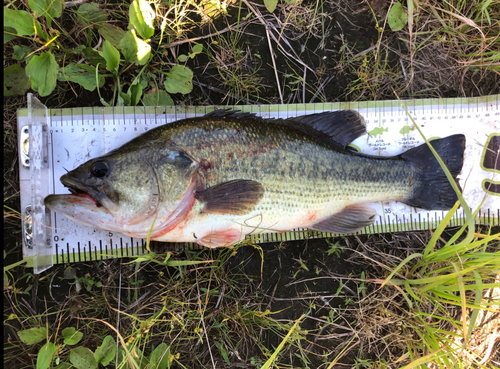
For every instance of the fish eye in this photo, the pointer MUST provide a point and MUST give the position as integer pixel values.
(99, 169)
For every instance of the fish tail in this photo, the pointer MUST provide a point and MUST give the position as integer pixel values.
(431, 188)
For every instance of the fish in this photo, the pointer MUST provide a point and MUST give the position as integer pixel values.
(215, 179)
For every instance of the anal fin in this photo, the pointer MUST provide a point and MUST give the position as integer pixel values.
(237, 197)
(349, 220)
(225, 238)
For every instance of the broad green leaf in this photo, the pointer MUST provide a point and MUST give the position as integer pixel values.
(157, 98)
(9, 33)
(42, 69)
(198, 48)
(106, 352)
(141, 18)
(90, 14)
(46, 355)
(78, 50)
(32, 335)
(82, 74)
(397, 17)
(82, 358)
(112, 34)
(134, 49)
(93, 56)
(270, 5)
(123, 99)
(112, 56)
(21, 51)
(15, 81)
(50, 9)
(71, 336)
(160, 356)
(22, 21)
(179, 80)
(135, 93)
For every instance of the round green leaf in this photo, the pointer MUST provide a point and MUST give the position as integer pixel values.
(157, 98)
(43, 69)
(90, 14)
(21, 52)
(270, 5)
(22, 21)
(48, 8)
(71, 336)
(82, 358)
(32, 335)
(15, 81)
(179, 80)
(397, 17)
(9, 34)
(84, 75)
(198, 48)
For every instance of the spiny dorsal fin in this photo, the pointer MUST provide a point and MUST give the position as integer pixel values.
(349, 220)
(236, 197)
(229, 113)
(342, 126)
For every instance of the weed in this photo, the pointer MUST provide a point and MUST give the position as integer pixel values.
(335, 248)
(111, 58)
(237, 69)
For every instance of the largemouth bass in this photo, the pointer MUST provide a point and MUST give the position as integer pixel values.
(217, 178)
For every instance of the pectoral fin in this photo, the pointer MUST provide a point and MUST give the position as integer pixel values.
(349, 220)
(236, 197)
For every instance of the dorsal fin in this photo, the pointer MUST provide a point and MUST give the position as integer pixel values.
(229, 113)
(342, 126)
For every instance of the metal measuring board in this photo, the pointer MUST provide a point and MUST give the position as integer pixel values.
(52, 141)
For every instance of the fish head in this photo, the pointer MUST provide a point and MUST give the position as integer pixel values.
(128, 189)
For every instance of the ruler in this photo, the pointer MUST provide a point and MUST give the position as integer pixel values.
(52, 141)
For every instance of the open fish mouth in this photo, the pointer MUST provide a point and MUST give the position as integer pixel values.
(77, 190)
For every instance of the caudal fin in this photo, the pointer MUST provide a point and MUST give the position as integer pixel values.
(431, 189)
